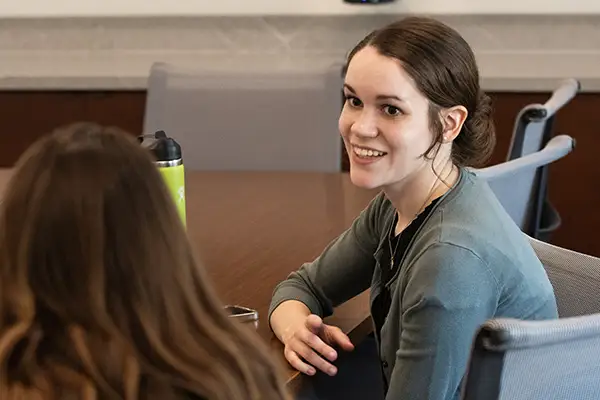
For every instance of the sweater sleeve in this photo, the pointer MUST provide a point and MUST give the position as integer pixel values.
(343, 270)
(449, 293)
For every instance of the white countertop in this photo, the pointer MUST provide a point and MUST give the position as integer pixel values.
(178, 8)
(515, 53)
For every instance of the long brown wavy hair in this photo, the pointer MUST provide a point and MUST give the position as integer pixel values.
(100, 294)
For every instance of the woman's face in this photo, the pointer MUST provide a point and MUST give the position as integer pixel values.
(384, 122)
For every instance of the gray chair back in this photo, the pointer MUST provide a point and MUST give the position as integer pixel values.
(533, 129)
(535, 122)
(513, 182)
(248, 121)
(574, 276)
(534, 360)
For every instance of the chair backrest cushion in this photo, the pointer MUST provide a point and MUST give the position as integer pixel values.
(525, 360)
(574, 276)
(224, 120)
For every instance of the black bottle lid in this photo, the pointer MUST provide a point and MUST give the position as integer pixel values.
(162, 147)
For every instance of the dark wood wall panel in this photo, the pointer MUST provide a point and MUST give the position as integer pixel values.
(26, 115)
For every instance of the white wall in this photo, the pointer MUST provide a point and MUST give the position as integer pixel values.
(75, 8)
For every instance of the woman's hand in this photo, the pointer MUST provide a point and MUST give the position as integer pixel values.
(310, 345)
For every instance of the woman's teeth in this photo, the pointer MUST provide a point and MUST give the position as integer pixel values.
(367, 153)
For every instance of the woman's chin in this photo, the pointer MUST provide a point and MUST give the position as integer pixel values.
(363, 179)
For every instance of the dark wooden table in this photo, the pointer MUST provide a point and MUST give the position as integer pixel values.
(252, 229)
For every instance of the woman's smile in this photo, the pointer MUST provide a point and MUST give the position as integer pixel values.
(365, 155)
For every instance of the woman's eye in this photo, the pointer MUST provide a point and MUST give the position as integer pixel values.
(391, 110)
(353, 101)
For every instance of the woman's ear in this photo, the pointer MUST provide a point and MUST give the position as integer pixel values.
(452, 120)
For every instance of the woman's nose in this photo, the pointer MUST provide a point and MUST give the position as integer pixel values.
(365, 125)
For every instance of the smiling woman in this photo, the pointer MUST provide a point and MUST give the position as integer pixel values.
(436, 248)
(411, 99)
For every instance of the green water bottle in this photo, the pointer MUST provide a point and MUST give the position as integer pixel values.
(169, 161)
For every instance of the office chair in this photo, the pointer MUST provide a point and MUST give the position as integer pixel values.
(248, 121)
(534, 360)
(532, 130)
(574, 276)
(514, 182)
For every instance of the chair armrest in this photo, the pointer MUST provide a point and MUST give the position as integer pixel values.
(561, 96)
(555, 149)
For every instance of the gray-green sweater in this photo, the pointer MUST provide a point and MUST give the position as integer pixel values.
(467, 263)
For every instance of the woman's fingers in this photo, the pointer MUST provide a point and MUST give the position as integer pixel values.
(312, 358)
(297, 363)
(334, 335)
(314, 323)
(309, 348)
(315, 342)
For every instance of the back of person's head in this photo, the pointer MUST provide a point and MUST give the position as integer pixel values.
(443, 68)
(100, 295)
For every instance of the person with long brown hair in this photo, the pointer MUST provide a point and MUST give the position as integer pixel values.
(101, 296)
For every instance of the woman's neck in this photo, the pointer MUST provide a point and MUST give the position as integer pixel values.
(411, 196)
